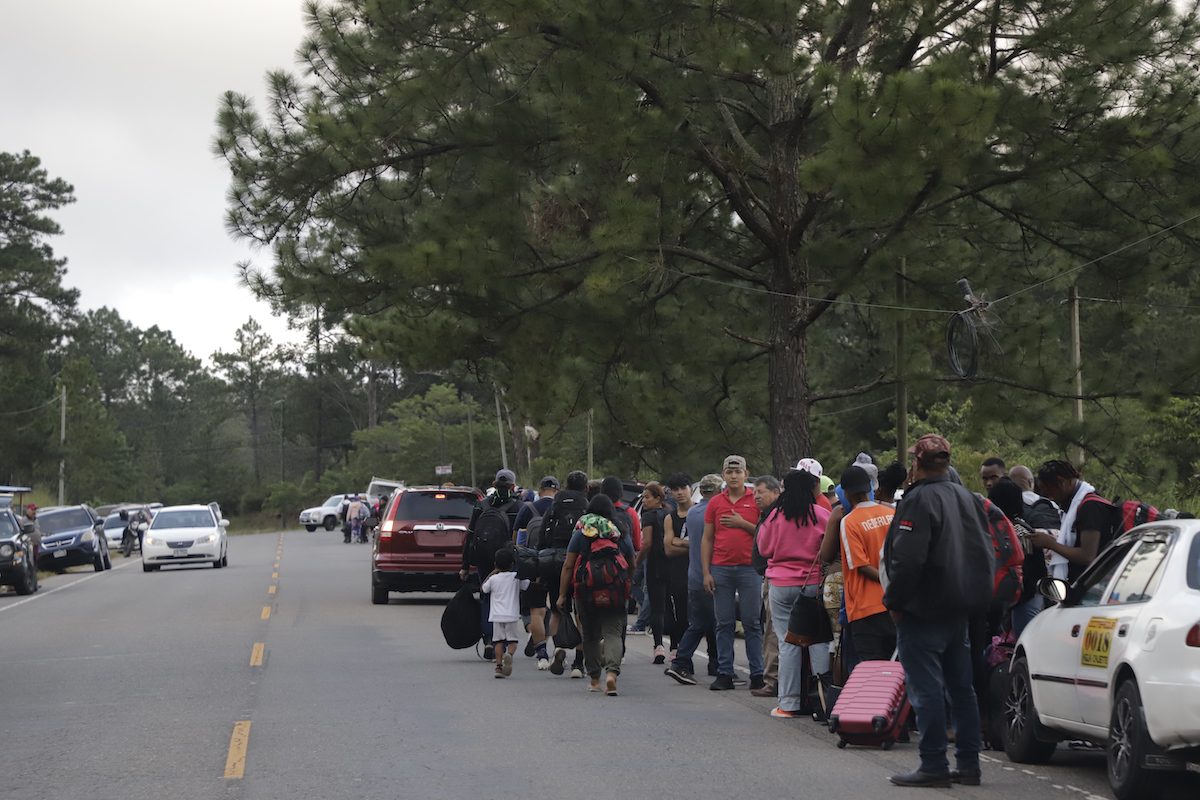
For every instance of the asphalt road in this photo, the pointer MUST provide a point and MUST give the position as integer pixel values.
(136, 685)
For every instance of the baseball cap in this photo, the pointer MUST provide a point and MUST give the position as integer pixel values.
(810, 465)
(506, 476)
(734, 462)
(826, 484)
(710, 484)
(855, 480)
(548, 482)
(929, 446)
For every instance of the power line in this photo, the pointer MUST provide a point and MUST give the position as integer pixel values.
(46, 404)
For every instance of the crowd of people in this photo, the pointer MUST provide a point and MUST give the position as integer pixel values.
(906, 562)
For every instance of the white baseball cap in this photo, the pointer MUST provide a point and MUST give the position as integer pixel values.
(810, 465)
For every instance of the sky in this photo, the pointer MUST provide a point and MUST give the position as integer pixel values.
(119, 99)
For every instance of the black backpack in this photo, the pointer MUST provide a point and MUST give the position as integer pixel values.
(559, 524)
(535, 528)
(492, 533)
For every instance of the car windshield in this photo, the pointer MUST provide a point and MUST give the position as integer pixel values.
(336, 500)
(113, 521)
(435, 505)
(1193, 565)
(59, 521)
(8, 526)
(193, 518)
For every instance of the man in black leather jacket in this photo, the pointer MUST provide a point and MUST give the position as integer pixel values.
(940, 565)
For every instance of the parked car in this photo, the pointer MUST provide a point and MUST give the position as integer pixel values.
(72, 536)
(1117, 661)
(420, 540)
(324, 515)
(185, 535)
(18, 561)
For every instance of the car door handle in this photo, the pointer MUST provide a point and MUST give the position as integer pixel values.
(1124, 629)
(1075, 632)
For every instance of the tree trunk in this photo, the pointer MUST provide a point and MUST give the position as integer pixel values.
(787, 384)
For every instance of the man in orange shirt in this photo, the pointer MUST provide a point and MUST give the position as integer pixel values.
(863, 532)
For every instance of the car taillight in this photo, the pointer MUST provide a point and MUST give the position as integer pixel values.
(1193, 637)
(385, 530)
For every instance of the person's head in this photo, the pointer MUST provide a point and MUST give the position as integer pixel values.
(991, 471)
(828, 487)
(654, 496)
(856, 484)
(548, 486)
(593, 487)
(891, 478)
(505, 559)
(602, 504)
(766, 491)
(1005, 494)
(809, 465)
(31, 510)
(710, 484)
(505, 485)
(931, 457)
(577, 480)
(733, 470)
(679, 485)
(799, 496)
(611, 487)
(529, 496)
(1058, 480)
(866, 463)
(1022, 476)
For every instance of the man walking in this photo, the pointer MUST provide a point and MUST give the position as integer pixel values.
(729, 523)
(766, 493)
(939, 561)
(701, 619)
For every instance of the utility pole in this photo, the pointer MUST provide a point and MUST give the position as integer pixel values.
(62, 444)
(282, 410)
(590, 460)
(1077, 368)
(901, 385)
(500, 430)
(471, 441)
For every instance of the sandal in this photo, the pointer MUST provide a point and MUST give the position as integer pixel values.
(610, 685)
(594, 686)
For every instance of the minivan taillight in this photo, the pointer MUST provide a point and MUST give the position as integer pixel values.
(385, 529)
(1193, 637)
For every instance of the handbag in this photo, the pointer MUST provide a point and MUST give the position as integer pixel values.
(567, 635)
(462, 624)
(527, 563)
(809, 624)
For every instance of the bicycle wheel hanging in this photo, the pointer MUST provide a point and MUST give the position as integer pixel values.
(966, 331)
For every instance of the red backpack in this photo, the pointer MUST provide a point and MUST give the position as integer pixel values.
(1006, 546)
(1127, 516)
(602, 576)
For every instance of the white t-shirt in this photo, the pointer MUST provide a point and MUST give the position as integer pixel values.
(505, 590)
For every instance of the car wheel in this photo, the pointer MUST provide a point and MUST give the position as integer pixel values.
(330, 523)
(379, 595)
(1128, 745)
(28, 583)
(1021, 742)
(216, 564)
(225, 560)
(147, 568)
(310, 528)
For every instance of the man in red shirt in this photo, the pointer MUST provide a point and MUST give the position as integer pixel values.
(729, 575)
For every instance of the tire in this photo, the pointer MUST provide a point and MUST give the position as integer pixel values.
(147, 568)
(225, 560)
(1020, 720)
(216, 564)
(330, 523)
(1127, 747)
(379, 595)
(28, 584)
(310, 528)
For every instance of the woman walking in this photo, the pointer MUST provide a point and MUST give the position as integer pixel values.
(790, 539)
(654, 556)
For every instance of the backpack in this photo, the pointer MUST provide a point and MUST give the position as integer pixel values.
(1010, 555)
(559, 524)
(1126, 516)
(533, 529)
(602, 576)
(492, 533)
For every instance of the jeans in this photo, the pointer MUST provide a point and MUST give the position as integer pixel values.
(791, 656)
(601, 630)
(738, 585)
(1023, 613)
(937, 663)
(701, 626)
(641, 596)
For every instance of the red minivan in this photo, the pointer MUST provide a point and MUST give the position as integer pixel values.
(419, 544)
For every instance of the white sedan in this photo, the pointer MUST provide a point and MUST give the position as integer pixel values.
(185, 535)
(1117, 661)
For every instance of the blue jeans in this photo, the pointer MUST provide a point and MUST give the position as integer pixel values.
(791, 656)
(736, 586)
(701, 625)
(936, 656)
(641, 597)
(1024, 612)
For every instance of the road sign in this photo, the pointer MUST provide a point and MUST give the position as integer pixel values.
(444, 469)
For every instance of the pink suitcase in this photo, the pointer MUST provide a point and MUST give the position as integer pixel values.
(873, 707)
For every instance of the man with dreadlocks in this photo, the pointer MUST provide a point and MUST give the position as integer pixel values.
(1089, 521)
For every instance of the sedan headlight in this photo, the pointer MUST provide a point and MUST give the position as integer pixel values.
(6, 550)
(150, 540)
(87, 537)
(204, 539)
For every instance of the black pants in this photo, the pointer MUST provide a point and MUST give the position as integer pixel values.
(874, 637)
(668, 605)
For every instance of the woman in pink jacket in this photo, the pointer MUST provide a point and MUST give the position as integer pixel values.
(790, 539)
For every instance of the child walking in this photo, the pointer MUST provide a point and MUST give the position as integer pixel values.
(505, 589)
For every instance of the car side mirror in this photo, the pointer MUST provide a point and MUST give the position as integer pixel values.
(224, 523)
(1053, 589)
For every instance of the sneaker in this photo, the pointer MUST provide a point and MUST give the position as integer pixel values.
(530, 648)
(920, 778)
(634, 630)
(576, 672)
(506, 665)
(499, 671)
(722, 683)
(543, 664)
(738, 680)
(489, 653)
(660, 655)
(967, 777)
(556, 666)
(757, 682)
(779, 713)
(769, 690)
(681, 675)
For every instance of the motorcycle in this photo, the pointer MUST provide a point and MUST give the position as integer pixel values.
(132, 537)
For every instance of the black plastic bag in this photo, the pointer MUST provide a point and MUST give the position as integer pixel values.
(527, 563)
(567, 635)
(462, 626)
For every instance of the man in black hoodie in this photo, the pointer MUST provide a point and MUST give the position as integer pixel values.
(939, 563)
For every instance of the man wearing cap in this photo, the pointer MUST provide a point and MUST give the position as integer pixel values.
(863, 531)
(939, 562)
(701, 618)
(502, 498)
(729, 575)
(533, 599)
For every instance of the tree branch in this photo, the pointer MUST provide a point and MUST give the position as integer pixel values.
(853, 391)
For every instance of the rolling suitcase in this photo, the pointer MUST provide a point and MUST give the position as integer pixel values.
(873, 706)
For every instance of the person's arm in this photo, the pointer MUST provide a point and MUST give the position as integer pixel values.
(830, 545)
(644, 552)
(635, 528)
(674, 546)
(910, 535)
(564, 579)
(767, 536)
(1089, 519)
(465, 568)
(869, 572)
(706, 554)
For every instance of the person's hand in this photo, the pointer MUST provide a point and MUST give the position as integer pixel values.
(462, 574)
(1043, 539)
(732, 520)
(561, 605)
(710, 584)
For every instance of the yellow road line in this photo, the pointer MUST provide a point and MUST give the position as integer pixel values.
(256, 655)
(271, 589)
(274, 576)
(266, 612)
(235, 763)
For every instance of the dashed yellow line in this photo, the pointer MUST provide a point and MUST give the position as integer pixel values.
(235, 762)
(275, 576)
(266, 612)
(271, 589)
(256, 655)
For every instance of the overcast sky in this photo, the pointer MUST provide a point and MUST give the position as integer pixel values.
(119, 99)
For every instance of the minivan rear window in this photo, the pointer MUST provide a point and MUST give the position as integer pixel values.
(435, 505)
(1193, 570)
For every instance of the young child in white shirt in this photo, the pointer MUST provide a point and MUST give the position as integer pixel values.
(504, 587)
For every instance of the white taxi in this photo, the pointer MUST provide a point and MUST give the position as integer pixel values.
(185, 535)
(1117, 661)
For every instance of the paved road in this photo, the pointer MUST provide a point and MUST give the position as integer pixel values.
(132, 685)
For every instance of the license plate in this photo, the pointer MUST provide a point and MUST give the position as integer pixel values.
(180, 551)
(60, 554)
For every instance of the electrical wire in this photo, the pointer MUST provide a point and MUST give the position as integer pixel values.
(47, 404)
